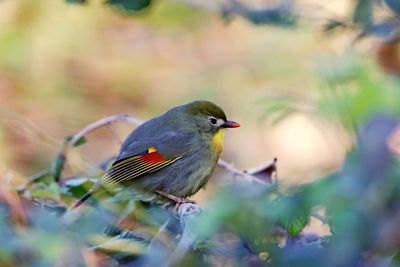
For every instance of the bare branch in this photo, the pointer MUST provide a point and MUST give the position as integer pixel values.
(247, 175)
(265, 172)
(178, 225)
(114, 133)
(187, 213)
(105, 121)
(320, 218)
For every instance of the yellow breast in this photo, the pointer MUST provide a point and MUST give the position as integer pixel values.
(217, 141)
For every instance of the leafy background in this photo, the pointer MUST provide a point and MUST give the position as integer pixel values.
(312, 83)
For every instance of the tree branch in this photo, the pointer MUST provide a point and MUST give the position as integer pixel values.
(176, 225)
(187, 214)
(250, 175)
(102, 122)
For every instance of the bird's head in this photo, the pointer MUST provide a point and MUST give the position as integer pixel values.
(207, 117)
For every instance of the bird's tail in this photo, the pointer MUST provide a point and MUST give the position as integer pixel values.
(81, 201)
(94, 191)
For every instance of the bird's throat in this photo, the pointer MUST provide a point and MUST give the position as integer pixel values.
(217, 141)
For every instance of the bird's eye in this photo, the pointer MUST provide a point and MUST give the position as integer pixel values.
(212, 120)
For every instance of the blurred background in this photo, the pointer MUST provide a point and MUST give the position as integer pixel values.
(65, 65)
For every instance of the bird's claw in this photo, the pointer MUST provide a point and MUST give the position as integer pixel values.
(182, 201)
(178, 200)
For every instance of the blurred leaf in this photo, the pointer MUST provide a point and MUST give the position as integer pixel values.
(123, 243)
(58, 166)
(295, 224)
(363, 13)
(77, 187)
(292, 214)
(394, 5)
(45, 193)
(130, 6)
(51, 190)
(395, 262)
(42, 176)
(208, 244)
(79, 142)
(76, 1)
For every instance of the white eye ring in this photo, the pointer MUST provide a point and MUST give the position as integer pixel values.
(212, 120)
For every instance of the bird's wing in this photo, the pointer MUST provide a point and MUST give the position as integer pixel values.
(156, 154)
(132, 167)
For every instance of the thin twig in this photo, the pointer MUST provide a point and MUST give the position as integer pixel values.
(105, 121)
(114, 133)
(320, 218)
(247, 176)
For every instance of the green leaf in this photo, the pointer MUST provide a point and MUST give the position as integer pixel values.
(78, 187)
(45, 193)
(130, 6)
(42, 176)
(292, 214)
(79, 142)
(58, 166)
(295, 224)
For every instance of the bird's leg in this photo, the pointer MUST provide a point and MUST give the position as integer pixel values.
(175, 198)
(178, 200)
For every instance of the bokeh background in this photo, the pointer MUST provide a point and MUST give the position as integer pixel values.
(65, 65)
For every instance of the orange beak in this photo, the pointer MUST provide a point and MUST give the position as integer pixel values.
(230, 124)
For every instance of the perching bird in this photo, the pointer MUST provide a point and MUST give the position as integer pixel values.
(170, 157)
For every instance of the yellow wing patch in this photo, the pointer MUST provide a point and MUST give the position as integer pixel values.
(151, 149)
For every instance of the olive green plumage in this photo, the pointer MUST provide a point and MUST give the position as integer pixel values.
(175, 153)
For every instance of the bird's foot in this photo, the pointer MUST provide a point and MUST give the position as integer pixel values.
(178, 200)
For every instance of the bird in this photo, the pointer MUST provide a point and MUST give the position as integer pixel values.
(170, 157)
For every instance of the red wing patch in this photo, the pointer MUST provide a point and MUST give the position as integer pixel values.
(152, 158)
(129, 168)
